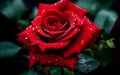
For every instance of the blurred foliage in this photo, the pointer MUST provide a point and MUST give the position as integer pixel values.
(8, 49)
(86, 64)
(30, 72)
(99, 55)
(105, 19)
(13, 9)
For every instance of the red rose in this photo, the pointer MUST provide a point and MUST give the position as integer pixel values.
(59, 32)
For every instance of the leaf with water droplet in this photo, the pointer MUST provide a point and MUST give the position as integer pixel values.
(85, 64)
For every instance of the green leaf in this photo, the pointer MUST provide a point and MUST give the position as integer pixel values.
(110, 43)
(13, 9)
(94, 5)
(8, 49)
(105, 3)
(30, 72)
(56, 70)
(24, 23)
(86, 64)
(106, 20)
(90, 5)
(103, 54)
(34, 13)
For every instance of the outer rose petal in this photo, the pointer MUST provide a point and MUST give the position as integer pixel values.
(27, 43)
(59, 6)
(96, 34)
(76, 9)
(63, 5)
(54, 59)
(88, 32)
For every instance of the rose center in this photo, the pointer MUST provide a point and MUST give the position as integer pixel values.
(55, 26)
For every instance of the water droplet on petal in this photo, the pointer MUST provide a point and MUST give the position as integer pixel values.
(27, 28)
(27, 33)
(36, 27)
(33, 28)
(33, 57)
(76, 29)
(75, 19)
(38, 30)
(73, 25)
(31, 44)
(43, 11)
(26, 38)
(91, 29)
(82, 42)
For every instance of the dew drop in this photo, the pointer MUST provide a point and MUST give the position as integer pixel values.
(43, 11)
(31, 21)
(33, 57)
(26, 38)
(36, 27)
(31, 44)
(27, 28)
(76, 29)
(38, 30)
(75, 19)
(27, 33)
(91, 29)
(39, 16)
(73, 25)
(82, 42)
(33, 28)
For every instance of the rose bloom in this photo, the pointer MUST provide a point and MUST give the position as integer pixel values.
(58, 33)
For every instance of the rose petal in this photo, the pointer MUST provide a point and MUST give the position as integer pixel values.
(70, 18)
(71, 35)
(42, 33)
(50, 12)
(96, 34)
(53, 33)
(53, 59)
(33, 59)
(53, 20)
(58, 5)
(52, 46)
(27, 43)
(76, 9)
(81, 41)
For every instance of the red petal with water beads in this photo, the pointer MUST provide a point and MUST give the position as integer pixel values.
(52, 59)
(88, 32)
